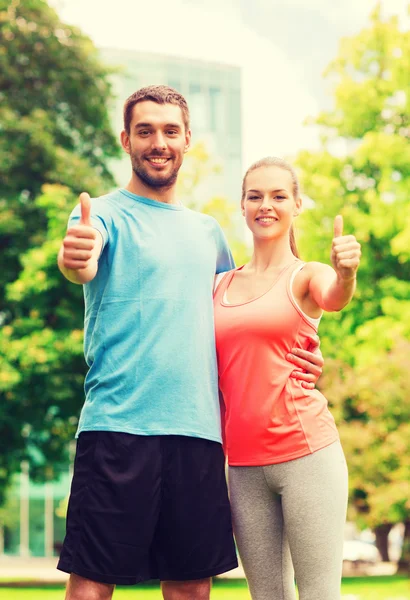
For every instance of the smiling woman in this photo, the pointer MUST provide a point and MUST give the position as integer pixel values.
(287, 472)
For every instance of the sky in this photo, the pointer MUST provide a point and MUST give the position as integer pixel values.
(282, 47)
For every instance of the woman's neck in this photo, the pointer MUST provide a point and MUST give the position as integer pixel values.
(270, 254)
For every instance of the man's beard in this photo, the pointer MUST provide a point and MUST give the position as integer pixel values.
(157, 181)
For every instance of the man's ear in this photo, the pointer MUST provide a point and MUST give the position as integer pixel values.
(187, 140)
(125, 141)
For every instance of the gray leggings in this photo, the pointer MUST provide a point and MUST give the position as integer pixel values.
(291, 516)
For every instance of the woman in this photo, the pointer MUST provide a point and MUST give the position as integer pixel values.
(287, 471)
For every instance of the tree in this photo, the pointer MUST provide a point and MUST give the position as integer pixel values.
(198, 165)
(363, 172)
(56, 141)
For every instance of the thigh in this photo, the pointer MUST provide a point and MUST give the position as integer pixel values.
(315, 493)
(194, 539)
(113, 508)
(260, 535)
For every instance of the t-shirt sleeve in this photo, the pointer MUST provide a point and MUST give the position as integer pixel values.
(224, 261)
(99, 219)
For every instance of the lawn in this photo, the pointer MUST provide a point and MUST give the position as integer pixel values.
(360, 588)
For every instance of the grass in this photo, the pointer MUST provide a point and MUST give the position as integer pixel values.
(355, 588)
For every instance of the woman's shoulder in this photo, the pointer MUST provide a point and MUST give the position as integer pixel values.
(304, 275)
(313, 268)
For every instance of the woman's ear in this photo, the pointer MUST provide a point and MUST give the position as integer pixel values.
(298, 207)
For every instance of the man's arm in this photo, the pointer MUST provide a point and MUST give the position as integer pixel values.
(81, 248)
(311, 361)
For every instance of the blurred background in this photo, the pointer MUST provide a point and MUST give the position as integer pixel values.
(323, 84)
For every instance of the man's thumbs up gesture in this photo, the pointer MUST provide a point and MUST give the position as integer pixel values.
(85, 203)
(345, 253)
(81, 247)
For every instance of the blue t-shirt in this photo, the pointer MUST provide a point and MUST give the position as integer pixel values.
(149, 328)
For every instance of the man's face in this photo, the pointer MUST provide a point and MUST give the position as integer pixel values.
(156, 143)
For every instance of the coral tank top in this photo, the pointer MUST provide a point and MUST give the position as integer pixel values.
(269, 417)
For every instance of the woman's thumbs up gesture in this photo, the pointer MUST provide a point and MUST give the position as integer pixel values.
(345, 254)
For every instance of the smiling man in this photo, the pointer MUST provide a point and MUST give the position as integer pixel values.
(148, 497)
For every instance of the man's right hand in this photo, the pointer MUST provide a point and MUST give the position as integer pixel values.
(80, 240)
(78, 257)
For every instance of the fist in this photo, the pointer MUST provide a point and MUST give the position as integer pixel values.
(345, 254)
(80, 240)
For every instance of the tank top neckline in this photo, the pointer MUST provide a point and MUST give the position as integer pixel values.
(231, 276)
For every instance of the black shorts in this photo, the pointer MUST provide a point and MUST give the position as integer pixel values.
(147, 507)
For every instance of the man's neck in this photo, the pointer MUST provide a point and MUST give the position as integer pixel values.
(165, 195)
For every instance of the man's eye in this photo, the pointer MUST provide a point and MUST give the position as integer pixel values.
(172, 132)
(144, 132)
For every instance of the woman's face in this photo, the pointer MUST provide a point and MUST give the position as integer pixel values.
(269, 205)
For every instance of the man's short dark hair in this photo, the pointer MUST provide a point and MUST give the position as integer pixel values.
(161, 94)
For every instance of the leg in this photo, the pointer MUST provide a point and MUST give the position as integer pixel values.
(79, 588)
(186, 590)
(193, 539)
(314, 508)
(113, 509)
(260, 536)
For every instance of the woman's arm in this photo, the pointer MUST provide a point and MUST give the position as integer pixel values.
(332, 289)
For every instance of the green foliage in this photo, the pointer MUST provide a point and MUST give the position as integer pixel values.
(42, 365)
(54, 96)
(55, 141)
(198, 165)
(368, 343)
(54, 121)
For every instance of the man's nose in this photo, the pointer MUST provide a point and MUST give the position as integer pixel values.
(159, 141)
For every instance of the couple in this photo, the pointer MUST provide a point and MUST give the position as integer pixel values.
(149, 497)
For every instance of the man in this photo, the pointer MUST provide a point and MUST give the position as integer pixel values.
(148, 497)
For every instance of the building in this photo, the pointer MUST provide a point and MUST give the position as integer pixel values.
(213, 92)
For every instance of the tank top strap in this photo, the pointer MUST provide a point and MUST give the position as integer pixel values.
(291, 273)
(222, 283)
(294, 267)
(286, 273)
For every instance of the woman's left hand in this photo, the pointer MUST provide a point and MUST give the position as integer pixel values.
(345, 254)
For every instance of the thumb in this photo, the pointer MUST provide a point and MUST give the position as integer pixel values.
(85, 202)
(338, 226)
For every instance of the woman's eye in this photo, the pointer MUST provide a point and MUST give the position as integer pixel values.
(253, 197)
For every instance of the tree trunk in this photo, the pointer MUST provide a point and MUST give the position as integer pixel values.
(403, 566)
(382, 542)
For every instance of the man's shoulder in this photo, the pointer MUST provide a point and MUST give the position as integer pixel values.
(108, 201)
(203, 218)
